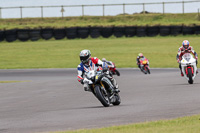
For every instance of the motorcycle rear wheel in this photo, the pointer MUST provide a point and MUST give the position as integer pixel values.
(102, 96)
(118, 100)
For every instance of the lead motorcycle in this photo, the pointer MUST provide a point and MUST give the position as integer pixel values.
(101, 87)
(189, 68)
(144, 65)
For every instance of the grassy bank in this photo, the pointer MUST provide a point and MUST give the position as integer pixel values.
(161, 51)
(120, 20)
(189, 124)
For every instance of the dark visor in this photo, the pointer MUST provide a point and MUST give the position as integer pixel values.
(84, 57)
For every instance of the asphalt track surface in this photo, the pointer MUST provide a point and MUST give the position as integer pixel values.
(53, 100)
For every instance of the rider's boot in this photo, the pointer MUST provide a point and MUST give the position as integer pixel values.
(86, 87)
(116, 87)
(197, 69)
(181, 70)
(182, 74)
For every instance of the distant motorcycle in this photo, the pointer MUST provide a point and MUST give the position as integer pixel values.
(144, 65)
(112, 68)
(188, 65)
(101, 87)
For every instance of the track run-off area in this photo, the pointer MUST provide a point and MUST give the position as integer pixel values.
(53, 100)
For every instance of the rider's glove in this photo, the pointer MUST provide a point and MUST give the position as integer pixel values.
(178, 60)
(196, 57)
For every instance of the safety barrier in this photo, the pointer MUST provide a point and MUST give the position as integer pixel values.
(83, 32)
(71, 33)
(35, 34)
(59, 33)
(130, 31)
(23, 34)
(47, 33)
(11, 35)
(2, 35)
(165, 30)
(141, 31)
(153, 31)
(95, 32)
(106, 32)
(118, 31)
(197, 30)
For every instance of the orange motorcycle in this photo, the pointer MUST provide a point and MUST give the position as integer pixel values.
(144, 65)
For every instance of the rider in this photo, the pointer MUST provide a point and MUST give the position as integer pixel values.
(88, 63)
(140, 56)
(185, 48)
(105, 62)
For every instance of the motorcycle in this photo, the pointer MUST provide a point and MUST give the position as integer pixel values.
(189, 68)
(101, 87)
(112, 68)
(144, 65)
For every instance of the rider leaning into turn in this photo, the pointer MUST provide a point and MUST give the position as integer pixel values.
(140, 56)
(88, 63)
(185, 48)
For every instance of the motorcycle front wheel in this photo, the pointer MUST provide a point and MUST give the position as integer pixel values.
(117, 72)
(143, 70)
(148, 71)
(190, 81)
(102, 95)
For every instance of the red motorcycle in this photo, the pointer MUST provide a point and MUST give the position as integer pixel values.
(112, 68)
(144, 65)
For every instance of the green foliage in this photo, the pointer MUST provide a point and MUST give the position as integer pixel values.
(161, 51)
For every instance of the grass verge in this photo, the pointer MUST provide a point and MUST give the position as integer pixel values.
(189, 124)
(14, 81)
(161, 51)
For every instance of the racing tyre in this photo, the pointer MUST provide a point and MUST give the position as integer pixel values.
(148, 71)
(117, 72)
(117, 100)
(144, 70)
(103, 96)
(190, 81)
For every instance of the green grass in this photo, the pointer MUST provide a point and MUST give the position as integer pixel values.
(189, 124)
(120, 20)
(161, 51)
(13, 81)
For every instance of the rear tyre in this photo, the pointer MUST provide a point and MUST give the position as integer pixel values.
(190, 81)
(103, 96)
(118, 100)
(117, 72)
